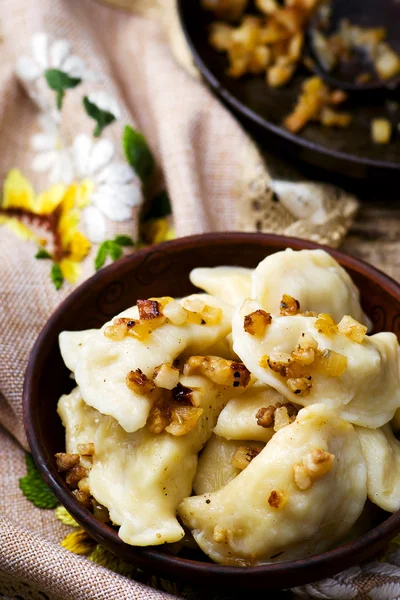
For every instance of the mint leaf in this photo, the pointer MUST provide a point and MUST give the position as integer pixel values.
(34, 487)
(42, 253)
(114, 250)
(124, 240)
(102, 117)
(59, 82)
(101, 256)
(159, 207)
(137, 153)
(57, 276)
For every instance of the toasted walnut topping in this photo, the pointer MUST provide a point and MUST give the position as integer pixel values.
(289, 306)
(83, 485)
(65, 461)
(243, 456)
(175, 313)
(139, 383)
(220, 535)
(301, 477)
(219, 370)
(182, 394)
(267, 416)
(74, 475)
(83, 498)
(86, 449)
(352, 329)
(314, 465)
(325, 325)
(166, 376)
(159, 418)
(100, 512)
(119, 328)
(149, 309)
(304, 353)
(276, 499)
(277, 361)
(301, 386)
(256, 322)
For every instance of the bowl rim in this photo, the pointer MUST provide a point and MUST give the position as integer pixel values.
(350, 550)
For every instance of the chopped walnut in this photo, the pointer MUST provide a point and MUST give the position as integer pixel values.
(267, 417)
(86, 449)
(183, 394)
(83, 498)
(137, 382)
(301, 386)
(149, 309)
(166, 376)
(243, 456)
(256, 322)
(83, 485)
(100, 512)
(289, 306)
(219, 370)
(314, 465)
(159, 418)
(278, 362)
(74, 475)
(220, 535)
(305, 350)
(119, 328)
(183, 419)
(275, 499)
(65, 461)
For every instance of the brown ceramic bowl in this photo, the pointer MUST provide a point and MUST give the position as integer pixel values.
(164, 270)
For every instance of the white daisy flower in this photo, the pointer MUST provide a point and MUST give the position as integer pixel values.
(117, 187)
(105, 103)
(52, 156)
(45, 55)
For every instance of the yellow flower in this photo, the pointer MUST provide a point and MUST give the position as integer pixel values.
(18, 193)
(78, 542)
(84, 193)
(70, 269)
(20, 229)
(158, 230)
(79, 246)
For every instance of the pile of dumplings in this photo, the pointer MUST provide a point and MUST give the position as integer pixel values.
(258, 416)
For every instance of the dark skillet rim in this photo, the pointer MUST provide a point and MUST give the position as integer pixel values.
(104, 534)
(249, 113)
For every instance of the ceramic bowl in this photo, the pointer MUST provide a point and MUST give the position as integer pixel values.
(164, 270)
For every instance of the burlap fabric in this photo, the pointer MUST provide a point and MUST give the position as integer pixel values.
(216, 180)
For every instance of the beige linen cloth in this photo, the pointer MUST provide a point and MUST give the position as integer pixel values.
(216, 180)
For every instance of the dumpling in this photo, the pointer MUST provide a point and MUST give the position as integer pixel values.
(238, 421)
(104, 363)
(303, 492)
(312, 277)
(366, 388)
(141, 477)
(381, 451)
(215, 468)
(231, 284)
(71, 343)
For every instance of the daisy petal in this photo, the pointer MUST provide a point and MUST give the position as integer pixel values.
(110, 206)
(95, 224)
(58, 53)
(105, 103)
(117, 172)
(102, 154)
(130, 194)
(74, 66)
(48, 125)
(67, 174)
(56, 172)
(44, 161)
(81, 151)
(40, 49)
(42, 141)
(27, 69)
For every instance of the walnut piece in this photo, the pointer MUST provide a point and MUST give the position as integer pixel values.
(137, 382)
(275, 499)
(65, 461)
(315, 464)
(183, 419)
(289, 306)
(220, 535)
(256, 322)
(166, 376)
(273, 416)
(243, 456)
(219, 370)
(83, 498)
(149, 309)
(74, 475)
(86, 449)
(301, 386)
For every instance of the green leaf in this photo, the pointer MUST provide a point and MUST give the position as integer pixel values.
(59, 82)
(42, 253)
(102, 117)
(159, 207)
(34, 487)
(101, 256)
(124, 240)
(57, 276)
(114, 250)
(137, 153)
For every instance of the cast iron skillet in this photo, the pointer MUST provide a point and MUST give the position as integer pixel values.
(349, 151)
(164, 270)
